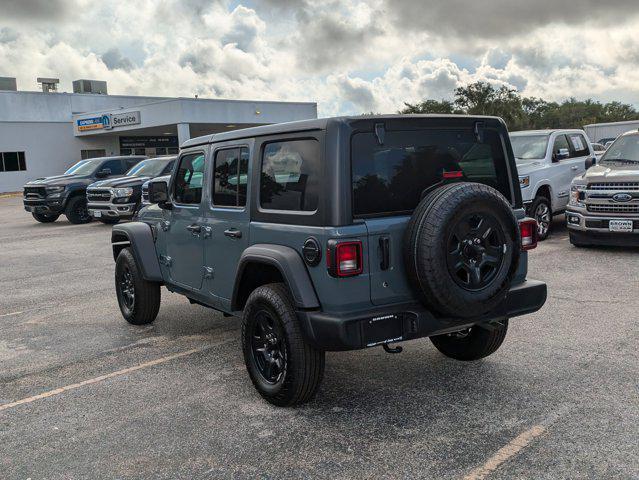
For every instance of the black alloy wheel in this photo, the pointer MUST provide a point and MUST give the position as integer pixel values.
(126, 287)
(268, 347)
(475, 251)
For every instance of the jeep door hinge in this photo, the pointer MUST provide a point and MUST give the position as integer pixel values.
(165, 225)
(207, 232)
(165, 260)
(207, 272)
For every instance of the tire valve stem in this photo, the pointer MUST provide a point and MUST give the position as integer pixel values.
(388, 349)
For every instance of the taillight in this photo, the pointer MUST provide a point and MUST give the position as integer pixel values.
(344, 259)
(528, 232)
(453, 174)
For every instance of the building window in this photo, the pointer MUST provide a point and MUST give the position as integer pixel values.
(84, 154)
(12, 162)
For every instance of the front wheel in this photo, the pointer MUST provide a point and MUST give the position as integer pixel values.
(541, 211)
(473, 343)
(283, 367)
(45, 217)
(139, 299)
(77, 212)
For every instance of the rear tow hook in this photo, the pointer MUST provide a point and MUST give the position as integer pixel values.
(388, 349)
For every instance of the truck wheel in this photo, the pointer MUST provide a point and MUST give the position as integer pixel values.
(541, 211)
(473, 343)
(283, 367)
(109, 221)
(461, 249)
(45, 217)
(77, 211)
(138, 298)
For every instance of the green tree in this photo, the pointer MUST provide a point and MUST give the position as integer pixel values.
(430, 106)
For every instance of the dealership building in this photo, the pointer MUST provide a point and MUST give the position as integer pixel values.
(43, 133)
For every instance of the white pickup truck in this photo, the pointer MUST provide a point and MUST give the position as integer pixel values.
(547, 161)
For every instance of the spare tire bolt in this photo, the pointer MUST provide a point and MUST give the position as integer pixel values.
(477, 241)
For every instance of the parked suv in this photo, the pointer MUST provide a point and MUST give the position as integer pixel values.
(604, 202)
(49, 197)
(547, 161)
(338, 234)
(119, 198)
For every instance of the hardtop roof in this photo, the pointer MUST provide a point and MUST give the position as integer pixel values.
(314, 124)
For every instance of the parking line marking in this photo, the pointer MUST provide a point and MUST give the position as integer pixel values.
(91, 381)
(9, 314)
(508, 451)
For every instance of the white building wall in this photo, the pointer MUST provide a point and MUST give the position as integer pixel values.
(49, 147)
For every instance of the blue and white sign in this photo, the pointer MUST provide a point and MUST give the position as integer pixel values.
(109, 121)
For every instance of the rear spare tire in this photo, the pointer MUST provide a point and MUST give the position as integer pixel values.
(461, 249)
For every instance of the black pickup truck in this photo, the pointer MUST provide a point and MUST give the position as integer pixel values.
(49, 197)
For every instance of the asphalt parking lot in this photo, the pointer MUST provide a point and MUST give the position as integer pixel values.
(85, 395)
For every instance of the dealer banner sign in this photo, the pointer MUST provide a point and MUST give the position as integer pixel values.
(109, 121)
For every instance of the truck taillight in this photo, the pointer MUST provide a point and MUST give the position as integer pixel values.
(344, 259)
(528, 232)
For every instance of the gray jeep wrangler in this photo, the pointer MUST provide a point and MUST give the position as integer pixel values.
(338, 234)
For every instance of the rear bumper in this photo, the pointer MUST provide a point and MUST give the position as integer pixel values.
(399, 323)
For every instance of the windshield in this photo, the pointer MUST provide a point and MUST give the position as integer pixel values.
(148, 168)
(624, 150)
(84, 167)
(529, 147)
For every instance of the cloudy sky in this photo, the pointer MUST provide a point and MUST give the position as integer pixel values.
(350, 56)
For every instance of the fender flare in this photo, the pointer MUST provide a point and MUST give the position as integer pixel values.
(289, 263)
(139, 236)
(545, 183)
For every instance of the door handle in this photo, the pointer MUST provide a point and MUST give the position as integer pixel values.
(233, 233)
(194, 229)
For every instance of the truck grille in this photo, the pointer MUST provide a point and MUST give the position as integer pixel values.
(35, 193)
(95, 195)
(633, 209)
(626, 186)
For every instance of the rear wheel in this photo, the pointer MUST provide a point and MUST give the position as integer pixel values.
(541, 211)
(472, 343)
(139, 299)
(77, 211)
(45, 217)
(283, 367)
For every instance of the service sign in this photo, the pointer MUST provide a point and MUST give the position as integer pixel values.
(109, 121)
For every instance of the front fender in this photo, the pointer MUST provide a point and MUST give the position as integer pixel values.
(289, 263)
(139, 237)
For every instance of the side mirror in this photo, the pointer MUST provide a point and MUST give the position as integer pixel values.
(159, 193)
(561, 154)
(590, 162)
(105, 172)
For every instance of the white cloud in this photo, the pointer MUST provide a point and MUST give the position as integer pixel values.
(351, 56)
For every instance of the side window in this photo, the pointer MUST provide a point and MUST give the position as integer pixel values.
(230, 174)
(578, 145)
(290, 175)
(188, 179)
(116, 167)
(561, 149)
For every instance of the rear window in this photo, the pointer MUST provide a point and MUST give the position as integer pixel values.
(391, 178)
(290, 176)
